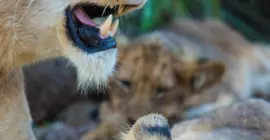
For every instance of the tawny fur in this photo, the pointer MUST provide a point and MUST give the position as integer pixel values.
(244, 62)
(33, 30)
(247, 73)
(247, 64)
(151, 78)
(251, 59)
(246, 120)
(247, 70)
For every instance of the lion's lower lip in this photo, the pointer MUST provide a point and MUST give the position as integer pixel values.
(86, 37)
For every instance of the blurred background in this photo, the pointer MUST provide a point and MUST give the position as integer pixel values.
(250, 17)
(60, 112)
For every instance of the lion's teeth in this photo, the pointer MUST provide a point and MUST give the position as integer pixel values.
(105, 27)
(121, 9)
(114, 27)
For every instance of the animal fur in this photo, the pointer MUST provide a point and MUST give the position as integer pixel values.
(151, 78)
(245, 120)
(57, 89)
(141, 73)
(33, 30)
(247, 64)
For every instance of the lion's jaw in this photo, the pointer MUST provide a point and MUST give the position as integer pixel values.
(38, 28)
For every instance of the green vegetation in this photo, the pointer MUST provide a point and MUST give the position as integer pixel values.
(157, 13)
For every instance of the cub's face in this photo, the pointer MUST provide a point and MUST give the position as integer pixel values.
(39, 28)
(151, 79)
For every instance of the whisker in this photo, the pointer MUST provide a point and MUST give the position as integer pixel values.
(28, 7)
(106, 7)
(15, 12)
(115, 6)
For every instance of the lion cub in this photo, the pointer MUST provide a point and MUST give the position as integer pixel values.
(247, 63)
(151, 78)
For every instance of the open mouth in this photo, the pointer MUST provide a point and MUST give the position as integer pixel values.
(88, 35)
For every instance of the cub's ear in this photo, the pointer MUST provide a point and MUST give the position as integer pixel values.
(199, 75)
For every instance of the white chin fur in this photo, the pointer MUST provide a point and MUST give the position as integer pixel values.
(94, 69)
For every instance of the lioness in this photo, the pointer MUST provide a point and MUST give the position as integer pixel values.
(33, 30)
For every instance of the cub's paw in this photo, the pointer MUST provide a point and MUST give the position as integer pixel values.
(149, 127)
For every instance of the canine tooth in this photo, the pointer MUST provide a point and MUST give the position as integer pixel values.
(114, 27)
(105, 27)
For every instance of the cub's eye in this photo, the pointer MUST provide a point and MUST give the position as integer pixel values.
(161, 90)
(126, 83)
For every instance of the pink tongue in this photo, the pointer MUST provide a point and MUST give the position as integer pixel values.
(83, 18)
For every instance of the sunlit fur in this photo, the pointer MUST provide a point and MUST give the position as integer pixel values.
(33, 30)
